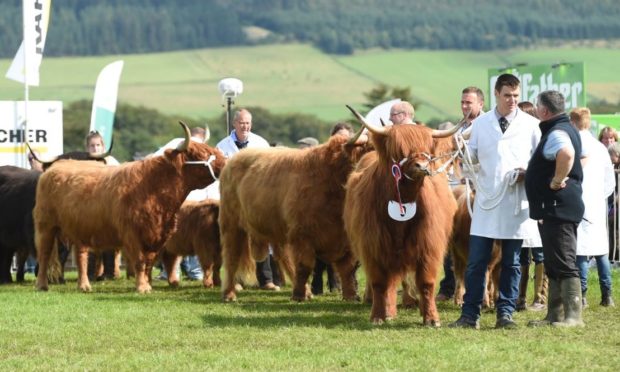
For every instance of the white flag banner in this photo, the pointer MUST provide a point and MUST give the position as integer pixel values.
(25, 65)
(104, 102)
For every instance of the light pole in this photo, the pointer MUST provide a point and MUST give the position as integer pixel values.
(229, 88)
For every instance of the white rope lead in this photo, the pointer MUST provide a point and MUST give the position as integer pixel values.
(510, 179)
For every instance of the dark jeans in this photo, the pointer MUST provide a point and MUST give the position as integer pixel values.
(447, 284)
(480, 249)
(537, 255)
(604, 272)
(267, 272)
(560, 248)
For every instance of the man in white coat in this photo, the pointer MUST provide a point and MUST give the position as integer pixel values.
(241, 137)
(502, 142)
(592, 231)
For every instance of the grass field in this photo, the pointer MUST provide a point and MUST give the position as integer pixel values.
(189, 328)
(299, 78)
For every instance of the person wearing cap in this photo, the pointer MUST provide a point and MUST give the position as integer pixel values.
(307, 142)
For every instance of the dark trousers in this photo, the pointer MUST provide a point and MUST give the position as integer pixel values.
(559, 240)
(447, 284)
(317, 277)
(267, 272)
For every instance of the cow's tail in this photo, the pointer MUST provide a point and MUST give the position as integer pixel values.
(246, 271)
(54, 271)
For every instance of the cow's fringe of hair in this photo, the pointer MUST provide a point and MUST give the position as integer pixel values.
(246, 271)
(54, 271)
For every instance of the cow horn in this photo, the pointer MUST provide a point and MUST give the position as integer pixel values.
(42, 161)
(355, 136)
(207, 133)
(371, 128)
(183, 146)
(448, 132)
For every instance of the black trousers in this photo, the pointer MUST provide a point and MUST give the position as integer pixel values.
(559, 240)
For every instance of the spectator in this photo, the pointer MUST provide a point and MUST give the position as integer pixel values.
(102, 265)
(608, 136)
(532, 250)
(553, 186)
(241, 137)
(612, 205)
(598, 185)
(402, 113)
(472, 103)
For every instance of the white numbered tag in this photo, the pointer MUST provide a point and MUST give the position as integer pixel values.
(394, 211)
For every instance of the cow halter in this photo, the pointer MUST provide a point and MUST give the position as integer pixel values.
(206, 163)
(397, 210)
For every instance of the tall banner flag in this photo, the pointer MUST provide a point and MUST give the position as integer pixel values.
(104, 103)
(25, 65)
(567, 78)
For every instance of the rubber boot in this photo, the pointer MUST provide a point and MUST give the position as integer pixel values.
(525, 276)
(555, 307)
(541, 282)
(571, 299)
(606, 299)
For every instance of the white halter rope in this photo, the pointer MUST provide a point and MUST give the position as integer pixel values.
(510, 179)
(206, 163)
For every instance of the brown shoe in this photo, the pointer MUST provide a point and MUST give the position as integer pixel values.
(442, 297)
(270, 287)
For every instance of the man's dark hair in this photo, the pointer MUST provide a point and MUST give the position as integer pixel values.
(476, 91)
(341, 125)
(553, 101)
(508, 80)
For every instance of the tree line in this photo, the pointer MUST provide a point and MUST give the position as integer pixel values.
(335, 26)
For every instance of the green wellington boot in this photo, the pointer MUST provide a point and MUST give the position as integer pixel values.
(555, 307)
(571, 298)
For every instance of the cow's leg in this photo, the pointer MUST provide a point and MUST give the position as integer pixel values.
(368, 293)
(426, 275)
(392, 296)
(217, 266)
(6, 259)
(378, 280)
(117, 263)
(236, 255)
(207, 264)
(81, 259)
(170, 261)
(346, 268)
(459, 275)
(305, 257)
(486, 304)
(45, 245)
(143, 261)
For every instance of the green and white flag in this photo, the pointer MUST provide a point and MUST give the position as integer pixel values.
(104, 102)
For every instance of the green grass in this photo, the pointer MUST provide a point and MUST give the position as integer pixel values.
(299, 78)
(189, 328)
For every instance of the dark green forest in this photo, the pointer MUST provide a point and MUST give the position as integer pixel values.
(91, 27)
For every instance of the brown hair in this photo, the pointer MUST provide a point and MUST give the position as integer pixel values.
(508, 80)
(475, 90)
(580, 117)
(605, 130)
(528, 108)
(94, 134)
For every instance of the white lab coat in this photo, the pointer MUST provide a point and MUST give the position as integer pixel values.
(229, 148)
(499, 153)
(598, 184)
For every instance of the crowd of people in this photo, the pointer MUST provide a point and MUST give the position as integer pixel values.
(546, 190)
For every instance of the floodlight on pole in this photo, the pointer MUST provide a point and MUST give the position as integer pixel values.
(229, 89)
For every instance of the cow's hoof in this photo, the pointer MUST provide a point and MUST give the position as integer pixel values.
(208, 284)
(238, 287)
(144, 290)
(432, 323)
(299, 298)
(174, 283)
(229, 297)
(85, 288)
(354, 298)
(377, 321)
(43, 288)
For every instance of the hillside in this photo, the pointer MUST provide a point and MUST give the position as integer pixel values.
(299, 78)
(82, 28)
